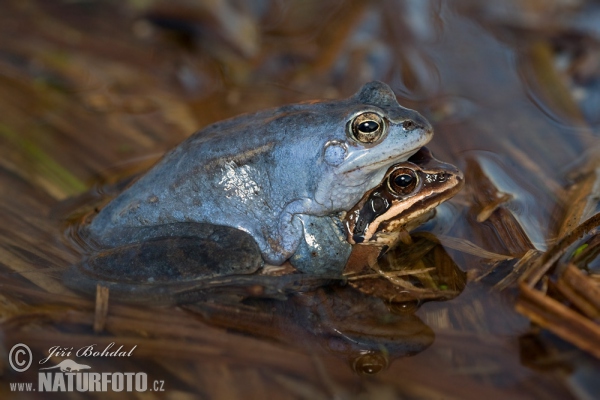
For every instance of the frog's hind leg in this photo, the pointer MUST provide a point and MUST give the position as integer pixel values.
(154, 269)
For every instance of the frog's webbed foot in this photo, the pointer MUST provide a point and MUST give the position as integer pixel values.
(160, 269)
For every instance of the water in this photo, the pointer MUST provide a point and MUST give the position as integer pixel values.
(87, 86)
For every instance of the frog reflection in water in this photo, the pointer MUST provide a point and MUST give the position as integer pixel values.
(360, 326)
(262, 173)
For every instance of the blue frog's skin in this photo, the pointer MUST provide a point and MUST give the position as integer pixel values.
(324, 249)
(262, 173)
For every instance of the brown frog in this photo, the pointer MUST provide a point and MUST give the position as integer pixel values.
(405, 199)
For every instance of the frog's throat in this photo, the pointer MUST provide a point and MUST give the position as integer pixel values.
(378, 165)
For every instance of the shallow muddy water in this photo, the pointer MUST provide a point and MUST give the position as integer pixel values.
(94, 92)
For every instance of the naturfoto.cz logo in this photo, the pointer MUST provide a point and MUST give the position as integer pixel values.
(70, 375)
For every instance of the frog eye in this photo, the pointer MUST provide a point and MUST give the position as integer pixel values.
(367, 127)
(403, 181)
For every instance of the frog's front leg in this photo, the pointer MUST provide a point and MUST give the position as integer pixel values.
(281, 243)
(290, 232)
(323, 250)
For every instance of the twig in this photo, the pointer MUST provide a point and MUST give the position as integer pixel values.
(101, 308)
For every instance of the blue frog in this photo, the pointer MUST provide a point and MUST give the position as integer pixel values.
(267, 172)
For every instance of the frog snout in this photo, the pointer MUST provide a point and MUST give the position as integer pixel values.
(460, 178)
(454, 176)
(451, 170)
(423, 124)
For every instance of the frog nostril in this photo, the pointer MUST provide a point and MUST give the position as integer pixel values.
(409, 125)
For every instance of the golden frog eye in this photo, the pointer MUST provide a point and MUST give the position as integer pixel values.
(403, 181)
(370, 363)
(367, 127)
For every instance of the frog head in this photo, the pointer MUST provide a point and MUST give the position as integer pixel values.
(378, 133)
(409, 191)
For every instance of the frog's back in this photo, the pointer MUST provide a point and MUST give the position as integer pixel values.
(239, 172)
